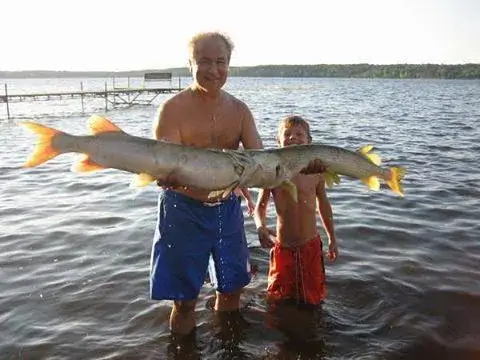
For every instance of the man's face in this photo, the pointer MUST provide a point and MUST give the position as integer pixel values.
(293, 135)
(209, 64)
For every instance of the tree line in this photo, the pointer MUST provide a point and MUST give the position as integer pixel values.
(396, 71)
(403, 71)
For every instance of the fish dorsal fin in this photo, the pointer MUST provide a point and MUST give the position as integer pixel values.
(364, 150)
(98, 125)
(373, 157)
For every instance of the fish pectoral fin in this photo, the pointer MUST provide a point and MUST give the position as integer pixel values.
(291, 188)
(86, 165)
(215, 194)
(395, 182)
(372, 182)
(373, 157)
(331, 178)
(223, 193)
(98, 124)
(141, 180)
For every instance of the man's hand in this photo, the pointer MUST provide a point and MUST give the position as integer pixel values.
(169, 182)
(314, 167)
(332, 253)
(266, 237)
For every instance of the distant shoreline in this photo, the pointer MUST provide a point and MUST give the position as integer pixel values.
(396, 71)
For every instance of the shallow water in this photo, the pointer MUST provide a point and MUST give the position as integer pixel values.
(74, 249)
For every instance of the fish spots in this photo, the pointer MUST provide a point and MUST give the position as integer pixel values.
(182, 159)
(239, 169)
(278, 169)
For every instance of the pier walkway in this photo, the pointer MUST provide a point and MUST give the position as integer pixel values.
(113, 97)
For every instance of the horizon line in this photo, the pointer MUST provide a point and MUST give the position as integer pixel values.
(241, 66)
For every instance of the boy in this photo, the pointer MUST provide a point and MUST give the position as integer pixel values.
(296, 261)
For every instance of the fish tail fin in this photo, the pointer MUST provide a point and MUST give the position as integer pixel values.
(396, 176)
(44, 149)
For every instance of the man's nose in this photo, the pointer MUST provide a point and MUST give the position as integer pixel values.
(213, 68)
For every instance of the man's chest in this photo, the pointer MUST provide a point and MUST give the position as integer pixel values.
(214, 130)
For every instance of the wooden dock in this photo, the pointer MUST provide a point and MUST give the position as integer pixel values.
(113, 97)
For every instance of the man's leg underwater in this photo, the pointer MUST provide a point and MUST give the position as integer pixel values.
(228, 301)
(182, 317)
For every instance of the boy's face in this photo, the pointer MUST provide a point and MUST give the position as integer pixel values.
(294, 135)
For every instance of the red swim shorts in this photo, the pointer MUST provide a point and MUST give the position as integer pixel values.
(297, 273)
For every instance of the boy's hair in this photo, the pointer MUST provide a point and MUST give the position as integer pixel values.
(295, 120)
(211, 34)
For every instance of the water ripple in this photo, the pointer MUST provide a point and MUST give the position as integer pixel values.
(74, 257)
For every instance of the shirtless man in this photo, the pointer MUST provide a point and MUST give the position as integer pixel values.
(296, 260)
(190, 226)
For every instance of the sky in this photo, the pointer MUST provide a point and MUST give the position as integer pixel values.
(134, 35)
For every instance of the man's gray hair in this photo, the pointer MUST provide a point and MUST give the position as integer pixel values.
(211, 34)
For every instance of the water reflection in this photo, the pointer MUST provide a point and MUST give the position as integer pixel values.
(302, 326)
(184, 347)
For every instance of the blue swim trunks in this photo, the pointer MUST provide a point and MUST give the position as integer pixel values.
(188, 233)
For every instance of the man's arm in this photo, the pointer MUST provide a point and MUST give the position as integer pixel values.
(165, 128)
(250, 137)
(164, 125)
(326, 214)
(259, 216)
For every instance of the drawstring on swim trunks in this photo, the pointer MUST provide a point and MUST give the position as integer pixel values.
(212, 204)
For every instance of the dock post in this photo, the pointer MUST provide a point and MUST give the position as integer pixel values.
(179, 83)
(128, 86)
(81, 96)
(114, 94)
(106, 97)
(6, 101)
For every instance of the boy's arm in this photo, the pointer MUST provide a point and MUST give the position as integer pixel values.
(259, 216)
(250, 205)
(325, 212)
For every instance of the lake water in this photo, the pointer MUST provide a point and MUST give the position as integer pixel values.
(75, 249)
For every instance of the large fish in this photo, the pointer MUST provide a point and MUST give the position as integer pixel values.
(214, 170)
